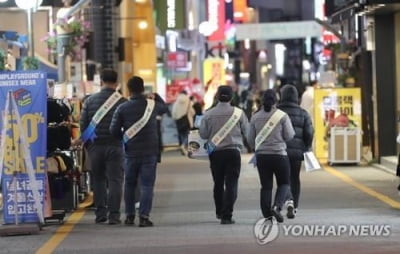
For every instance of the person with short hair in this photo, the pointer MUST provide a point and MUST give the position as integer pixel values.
(104, 150)
(141, 147)
(225, 159)
(271, 155)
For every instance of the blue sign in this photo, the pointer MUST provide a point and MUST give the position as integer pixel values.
(29, 90)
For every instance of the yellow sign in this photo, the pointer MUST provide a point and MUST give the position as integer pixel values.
(329, 104)
(214, 76)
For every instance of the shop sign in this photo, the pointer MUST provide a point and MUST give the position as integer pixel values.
(177, 59)
(23, 145)
(170, 14)
(175, 88)
(240, 11)
(216, 19)
(329, 104)
(278, 30)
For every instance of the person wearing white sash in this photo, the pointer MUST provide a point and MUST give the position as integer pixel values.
(135, 122)
(223, 127)
(105, 151)
(269, 131)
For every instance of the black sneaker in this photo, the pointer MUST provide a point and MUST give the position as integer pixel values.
(277, 214)
(100, 219)
(114, 221)
(145, 222)
(227, 221)
(290, 213)
(130, 220)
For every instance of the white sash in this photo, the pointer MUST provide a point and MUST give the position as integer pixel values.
(228, 126)
(136, 127)
(103, 110)
(268, 127)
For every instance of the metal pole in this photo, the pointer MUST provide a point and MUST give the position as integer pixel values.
(30, 33)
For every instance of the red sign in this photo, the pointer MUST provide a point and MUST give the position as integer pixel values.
(176, 87)
(177, 59)
(216, 19)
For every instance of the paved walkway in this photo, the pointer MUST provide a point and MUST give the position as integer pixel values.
(185, 222)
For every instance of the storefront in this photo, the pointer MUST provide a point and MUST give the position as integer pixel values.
(375, 27)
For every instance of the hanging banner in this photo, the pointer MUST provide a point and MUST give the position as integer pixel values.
(329, 104)
(23, 145)
(214, 76)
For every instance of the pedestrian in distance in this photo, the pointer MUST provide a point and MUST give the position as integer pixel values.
(269, 130)
(302, 142)
(183, 114)
(135, 123)
(104, 150)
(223, 126)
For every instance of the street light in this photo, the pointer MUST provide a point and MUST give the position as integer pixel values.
(29, 5)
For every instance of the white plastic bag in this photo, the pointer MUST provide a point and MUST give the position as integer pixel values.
(310, 162)
(197, 146)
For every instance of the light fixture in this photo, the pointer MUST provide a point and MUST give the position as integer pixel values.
(141, 1)
(143, 25)
(28, 4)
(3, 1)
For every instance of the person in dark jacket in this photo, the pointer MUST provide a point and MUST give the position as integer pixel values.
(296, 147)
(141, 150)
(105, 152)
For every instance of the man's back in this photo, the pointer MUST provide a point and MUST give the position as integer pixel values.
(146, 141)
(90, 107)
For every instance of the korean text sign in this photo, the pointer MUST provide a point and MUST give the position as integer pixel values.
(29, 91)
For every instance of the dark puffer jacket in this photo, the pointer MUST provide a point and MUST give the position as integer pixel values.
(90, 107)
(301, 122)
(146, 142)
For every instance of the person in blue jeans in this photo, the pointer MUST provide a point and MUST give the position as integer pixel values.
(141, 150)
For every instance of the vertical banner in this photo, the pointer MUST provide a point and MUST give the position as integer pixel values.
(216, 19)
(24, 128)
(214, 76)
(329, 104)
(170, 14)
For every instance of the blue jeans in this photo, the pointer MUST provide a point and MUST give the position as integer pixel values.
(145, 168)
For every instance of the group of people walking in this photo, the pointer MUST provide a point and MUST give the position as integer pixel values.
(278, 133)
(122, 140)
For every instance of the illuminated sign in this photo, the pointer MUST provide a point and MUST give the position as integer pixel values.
(216, 19)
(171, 14)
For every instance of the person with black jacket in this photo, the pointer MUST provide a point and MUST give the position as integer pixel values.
(105, 151)
(141, 148)
(302, 142)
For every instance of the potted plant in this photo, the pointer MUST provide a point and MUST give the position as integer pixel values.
(30, 63)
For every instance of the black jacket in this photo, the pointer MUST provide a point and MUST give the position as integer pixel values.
(146, 142)
(90, 107)
(301, 122)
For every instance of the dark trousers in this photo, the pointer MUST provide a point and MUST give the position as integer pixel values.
(294, 192)
(145, 169)
(107, 171)
(225, 169)
(268, 166)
